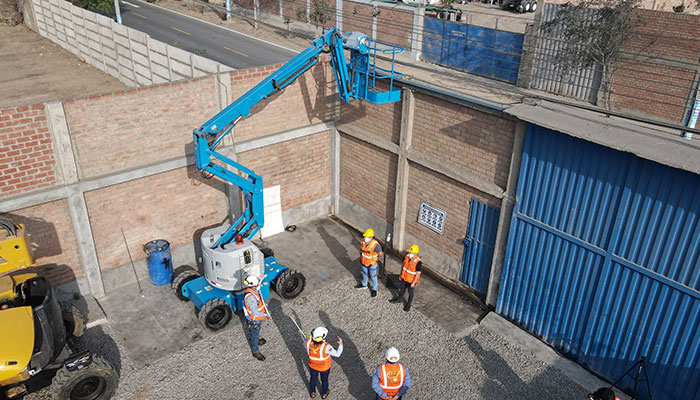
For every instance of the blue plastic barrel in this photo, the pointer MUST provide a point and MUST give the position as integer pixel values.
(160, 264)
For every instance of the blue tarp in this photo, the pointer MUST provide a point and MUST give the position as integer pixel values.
(483, 51)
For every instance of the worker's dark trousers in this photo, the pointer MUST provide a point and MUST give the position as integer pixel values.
(254, 334)
(405, 285)
(314, 378)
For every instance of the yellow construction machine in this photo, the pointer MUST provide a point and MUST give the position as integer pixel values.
(36, 331)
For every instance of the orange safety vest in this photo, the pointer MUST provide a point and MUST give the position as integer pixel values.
(261, 305)
(369, 257)
(319, 360)
(391, 377)
(408, 271)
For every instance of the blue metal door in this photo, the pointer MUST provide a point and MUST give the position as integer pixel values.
(603, 261)
(478, 246)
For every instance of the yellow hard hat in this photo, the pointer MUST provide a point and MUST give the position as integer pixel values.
(369, 233)
(413, 248)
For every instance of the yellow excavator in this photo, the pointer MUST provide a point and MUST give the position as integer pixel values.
(37, 331)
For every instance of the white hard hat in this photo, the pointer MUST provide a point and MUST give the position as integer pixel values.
(392, 355)
(251, 280)
(319, 333)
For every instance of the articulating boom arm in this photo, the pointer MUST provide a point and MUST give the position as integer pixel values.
(355, 79)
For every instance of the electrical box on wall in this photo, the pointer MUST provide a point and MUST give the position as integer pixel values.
(432, 217)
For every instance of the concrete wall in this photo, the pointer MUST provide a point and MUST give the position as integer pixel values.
(81, 171)
(127, 54)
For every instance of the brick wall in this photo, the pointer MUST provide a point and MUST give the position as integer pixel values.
(368, 177)
(301, 167)
(26, 152)
(171, 206)
(473, 140)
(357, 17)
(138, 127)
(309, 100)
(395, 26)
(270, 6)
(664, 85)
(380, 120)
(654, 89)
(51, 239)
(448, 195)
(295, 10)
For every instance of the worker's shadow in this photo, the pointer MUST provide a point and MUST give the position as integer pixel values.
(292, 339)
(340, 253)
(350, 362)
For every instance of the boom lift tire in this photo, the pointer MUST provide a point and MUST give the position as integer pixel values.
(96, 381)
(183, 274)
(73, 320)
(215, 314)
(290, 284)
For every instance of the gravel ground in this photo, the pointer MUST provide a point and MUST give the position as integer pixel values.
(482, 365)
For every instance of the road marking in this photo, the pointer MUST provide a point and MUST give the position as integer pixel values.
(131, 4)
(138, 15)
(237, 52)
(180, 30)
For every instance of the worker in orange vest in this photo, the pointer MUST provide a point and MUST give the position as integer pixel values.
(410, 275)
(320, 354)
(371, 251)
(603, 393)
(255, 313)
(391, 380)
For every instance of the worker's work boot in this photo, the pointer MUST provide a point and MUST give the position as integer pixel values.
(395, 300)
(325, 396)
(374, 293)
(407, 307)
(259, 356)
(360, 286)
(261, 341)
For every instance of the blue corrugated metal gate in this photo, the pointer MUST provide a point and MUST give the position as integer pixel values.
(603, 261)
(483, 51)
(478, 245)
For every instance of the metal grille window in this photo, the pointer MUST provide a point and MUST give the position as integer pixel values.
(433, 218)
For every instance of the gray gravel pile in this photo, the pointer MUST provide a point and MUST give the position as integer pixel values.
(480, 366)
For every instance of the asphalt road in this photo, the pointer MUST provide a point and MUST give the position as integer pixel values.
(207, 40)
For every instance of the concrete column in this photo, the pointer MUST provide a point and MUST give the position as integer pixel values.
(223, 98)
(86, 245)
(335, 171)
(339, 15)
(374, 22)
(417, 35)
(506, 214)
(407, 111)
(67, 171)
(530, 44)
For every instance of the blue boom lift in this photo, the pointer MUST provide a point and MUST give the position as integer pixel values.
(228, 255)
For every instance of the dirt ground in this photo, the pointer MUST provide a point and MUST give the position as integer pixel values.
(35, 70)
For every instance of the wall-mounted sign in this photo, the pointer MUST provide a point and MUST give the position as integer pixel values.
(433, 218)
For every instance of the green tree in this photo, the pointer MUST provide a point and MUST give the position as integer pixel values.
(322, 13)
(594, 32)
(106, 6)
